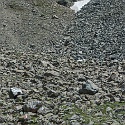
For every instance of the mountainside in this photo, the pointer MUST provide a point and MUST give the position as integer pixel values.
(61, 68)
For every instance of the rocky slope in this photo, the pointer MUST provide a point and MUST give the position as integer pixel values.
(98, 31)
(41, 83)
(38, 89)
(34, 25)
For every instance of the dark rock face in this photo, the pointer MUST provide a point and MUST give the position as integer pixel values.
(98, 30)
(63, 2)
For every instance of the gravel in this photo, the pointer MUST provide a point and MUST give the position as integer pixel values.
(45, 80)
(98, 31)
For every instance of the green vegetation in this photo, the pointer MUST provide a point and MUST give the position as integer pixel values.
(97, 114)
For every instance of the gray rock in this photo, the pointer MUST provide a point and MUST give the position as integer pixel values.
(55, 17)
(52, 93)
(88, 88)
(115, 123)
(74, 120)
(75, 123)
(99, 114)
(24, 118)
(51, 73)
(14, 92)
(92, 85)
(81, 78)
(43, 110)
(75, 117)
(108, 109)
(2, 119)
(32, 106)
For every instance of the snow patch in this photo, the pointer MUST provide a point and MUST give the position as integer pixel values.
(78, 5)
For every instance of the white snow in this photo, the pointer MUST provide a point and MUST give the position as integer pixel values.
(78, 5)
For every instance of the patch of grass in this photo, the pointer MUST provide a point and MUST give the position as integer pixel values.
(34, 120)
(113, 105)
(70, 111)
(90, 115)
